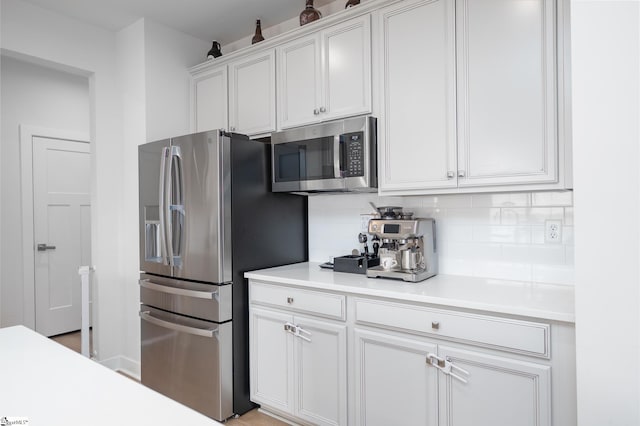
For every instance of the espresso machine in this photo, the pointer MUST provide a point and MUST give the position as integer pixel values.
(407, 246)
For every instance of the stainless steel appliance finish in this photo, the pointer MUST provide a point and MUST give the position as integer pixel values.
(333, 156)
(410, 243)
(207, 215)
(189, 360)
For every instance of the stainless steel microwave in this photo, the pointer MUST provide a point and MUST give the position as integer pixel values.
(334, 156)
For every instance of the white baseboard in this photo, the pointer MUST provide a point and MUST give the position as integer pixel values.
(122, 363)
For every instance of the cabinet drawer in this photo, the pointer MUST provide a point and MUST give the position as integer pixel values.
(298, 300)
(506, 334)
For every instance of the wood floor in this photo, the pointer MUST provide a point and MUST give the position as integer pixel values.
(252, 418)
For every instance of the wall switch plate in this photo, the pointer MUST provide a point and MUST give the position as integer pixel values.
(364, 222)
(552, 231)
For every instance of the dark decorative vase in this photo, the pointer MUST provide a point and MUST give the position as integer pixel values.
(215, 50)
(351, 3)
(309, 14)
(257, 37)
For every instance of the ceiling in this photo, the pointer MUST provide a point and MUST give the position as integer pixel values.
(222, 20)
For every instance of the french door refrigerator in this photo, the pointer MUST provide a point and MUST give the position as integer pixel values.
(207, 215)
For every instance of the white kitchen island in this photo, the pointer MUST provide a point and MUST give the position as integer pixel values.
(49, 384)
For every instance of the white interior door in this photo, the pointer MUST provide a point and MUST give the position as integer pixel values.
(62, 231)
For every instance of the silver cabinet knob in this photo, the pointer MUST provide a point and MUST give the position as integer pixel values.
(289, 300)
(435, 325)
(461, 173)
(316, 111)
(451, 175)
(233, 129)
(323, 109)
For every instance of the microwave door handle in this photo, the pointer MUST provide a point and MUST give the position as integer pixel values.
(337, 157)
(161, 205)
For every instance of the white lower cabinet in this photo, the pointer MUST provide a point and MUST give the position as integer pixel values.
(406, 363)
(499, 391)
(299, 366)
(394, 384)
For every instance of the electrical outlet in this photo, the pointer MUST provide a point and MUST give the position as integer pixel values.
(552, 231)
(364, 222)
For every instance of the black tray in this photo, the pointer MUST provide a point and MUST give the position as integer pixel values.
(355, 264)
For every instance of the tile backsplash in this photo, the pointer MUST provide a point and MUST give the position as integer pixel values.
(486, 235)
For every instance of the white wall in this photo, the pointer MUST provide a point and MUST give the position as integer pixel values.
(486, 235)
(50, 38)
(153, 63)
(36, 96)
(605, 52)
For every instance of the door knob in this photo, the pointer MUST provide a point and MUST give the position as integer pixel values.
(45, 247)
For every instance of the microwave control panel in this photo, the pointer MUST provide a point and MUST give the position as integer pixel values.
(353, 146)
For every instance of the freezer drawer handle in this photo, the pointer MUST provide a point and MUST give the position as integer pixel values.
(204, 332)
(209, 295)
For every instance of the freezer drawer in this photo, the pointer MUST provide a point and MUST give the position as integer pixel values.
(188, 360)
(206, 301)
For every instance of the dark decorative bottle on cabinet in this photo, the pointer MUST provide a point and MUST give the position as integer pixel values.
(309, 14)
(257, 37)
(351, 3)
(215, 50)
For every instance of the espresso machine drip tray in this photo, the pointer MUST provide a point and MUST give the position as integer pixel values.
(413, 276)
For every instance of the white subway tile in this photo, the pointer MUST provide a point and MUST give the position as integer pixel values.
(567, 235)
(547, 254)
(456, 267)
(556, 274)
(454, 233)
(516, 253)
(568, 216)
(552, 198)
(502, 200)
(530, 215)
(446, 201)
(503, 270)
(502, 234)
(483, 216)
(537, 234)
(569, 255)
(471, 251)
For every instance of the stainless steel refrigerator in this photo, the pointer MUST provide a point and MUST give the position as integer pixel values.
(207, 215)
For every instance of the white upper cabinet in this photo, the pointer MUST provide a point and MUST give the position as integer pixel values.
(325, 75)
(209, 99)
(252, 94)
(471, 96)
(417, 127)
(507, 102)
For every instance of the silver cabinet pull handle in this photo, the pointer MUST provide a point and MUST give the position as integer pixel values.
(323, 109)
(204, 332)
(451, 175)
(209, 295)
(289, 300)
(316, 111)
(461, 173)
(45, 247)
(435, 325)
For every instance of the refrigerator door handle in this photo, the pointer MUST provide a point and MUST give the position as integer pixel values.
(177, 204)
(204, 332)
(209, 295)
(166, 211)
(162, 202)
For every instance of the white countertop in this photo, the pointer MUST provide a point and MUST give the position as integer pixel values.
(538, 300)
(51, 385)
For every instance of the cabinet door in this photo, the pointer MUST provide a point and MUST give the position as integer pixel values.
(507, 131)
(270, 358)
(209, 103)
(500, 391)
(299, 82)
(394, 383)
(346, 69)
(417, 130)
(252, 94)
(321, 372)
